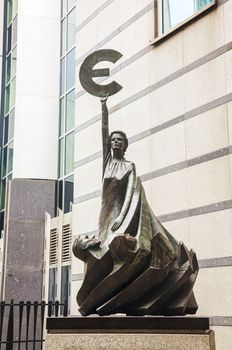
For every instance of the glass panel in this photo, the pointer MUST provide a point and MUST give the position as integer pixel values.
(175, 11)
(11, 124)
(61, 157)
(63, 32)
(52, 285)
(71, 3)
(64, 285)
(10, 157)
(68, 193)
(9, 38)
(3, 191)
(6, 126)
(201, 3)
(71, 30)
(4, 161)
(12, 93)
(63, 7)
(15, 7)
(60, 195)
(62, 116)
(8, 69)
(69, 153)
(1, 224)
(13, 61)
(9, 11)
(70, 67)
(62, 76)
(15, 28)
(70, 111)
(7, 99)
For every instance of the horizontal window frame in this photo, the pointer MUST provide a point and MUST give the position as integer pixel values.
(159, 38)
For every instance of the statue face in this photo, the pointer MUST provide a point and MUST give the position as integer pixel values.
(117, 142)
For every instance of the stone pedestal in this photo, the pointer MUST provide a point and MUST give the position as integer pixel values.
(129, 333)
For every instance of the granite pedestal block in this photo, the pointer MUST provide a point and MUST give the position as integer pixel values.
(129, 333)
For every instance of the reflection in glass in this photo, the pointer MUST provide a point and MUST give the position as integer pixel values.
(7, 100)
(9, 38)
(13, 61)
(70, 70)
(63, 32)
(176, 11)
(1, 221)
(62, 76)
(52, 285)
(8, 69)
(15, 7)
(71, 30)
(70, 111)
(3, 190)
(11, 124)
(60, 194)
(12, 92)
(10, 157)
(71, 3)
(15, 28)
(9, 11)
(6, 127)
(69, 153)
(4, 161)
(68, 193)
(61, 157)
(62, 116)
(64, 285)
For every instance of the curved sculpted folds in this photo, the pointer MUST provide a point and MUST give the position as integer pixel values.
(134, 266)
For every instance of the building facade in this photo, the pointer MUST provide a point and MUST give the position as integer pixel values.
(175, 107)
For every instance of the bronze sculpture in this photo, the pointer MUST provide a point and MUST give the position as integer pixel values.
(134, 266)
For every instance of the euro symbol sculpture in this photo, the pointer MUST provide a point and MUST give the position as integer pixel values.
(87, 73)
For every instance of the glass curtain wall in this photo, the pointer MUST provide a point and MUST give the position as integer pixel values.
(8, 103)
(67, 106)
(176, 11)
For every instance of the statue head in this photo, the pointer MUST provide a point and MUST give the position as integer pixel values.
(118, 140)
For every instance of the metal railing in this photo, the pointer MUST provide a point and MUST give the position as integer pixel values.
(22, 323)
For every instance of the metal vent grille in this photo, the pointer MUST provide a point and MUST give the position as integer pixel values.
(53, 246)
(66, 241)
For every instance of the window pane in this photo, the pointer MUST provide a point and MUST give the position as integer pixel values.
(62, 77)
(8, 69)
(13, 61)
(9, 38)
(11, 124)
(62, 116)
(68, 193)
(61, 157)
(70, 111)
(4, 160)
(9, 11)
(71, 3)
(63, 32)
(15, 28)
(60, 194)
(12, 93)
(63, 7)
(64, 285)
(69, 153)
(1, 223)
(52, 285)
(6, 127)
(10, 157)
(15, 7)
(202, 3)
(3, 190)
(70, 67)
(71, 30)
(7, 99)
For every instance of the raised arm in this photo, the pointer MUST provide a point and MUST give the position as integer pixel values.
(105, 130)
